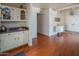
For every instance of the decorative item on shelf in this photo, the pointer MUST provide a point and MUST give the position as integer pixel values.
(22, 15)
(6, 12)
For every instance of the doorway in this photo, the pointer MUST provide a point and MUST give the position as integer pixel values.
(39, 23)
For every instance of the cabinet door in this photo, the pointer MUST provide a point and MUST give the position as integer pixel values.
(25, 37)
(11, 40)
(15, 14)
(4, 42)
(7, 42)
(19, 38)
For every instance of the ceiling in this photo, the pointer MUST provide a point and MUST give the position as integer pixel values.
(42, 5)
(54, 5)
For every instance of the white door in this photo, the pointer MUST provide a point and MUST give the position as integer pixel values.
(25, 37)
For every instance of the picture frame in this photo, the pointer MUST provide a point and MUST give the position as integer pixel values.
(57, 19)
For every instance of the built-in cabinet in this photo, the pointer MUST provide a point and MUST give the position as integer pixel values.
(12, 40)
(15, 14)
(12, 13)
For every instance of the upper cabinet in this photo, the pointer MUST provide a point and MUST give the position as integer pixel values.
(6, 13)
(22, 14)
(15, 14)
(12, 14)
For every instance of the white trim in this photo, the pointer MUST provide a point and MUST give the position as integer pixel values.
(69, 7)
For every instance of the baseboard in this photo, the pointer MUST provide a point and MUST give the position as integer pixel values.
(72, 31)
(43, 34)
(34, 38)
(15, 48)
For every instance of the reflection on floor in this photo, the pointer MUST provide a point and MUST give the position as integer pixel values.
(65, 45)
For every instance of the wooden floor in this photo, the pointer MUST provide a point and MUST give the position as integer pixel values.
(65, 45)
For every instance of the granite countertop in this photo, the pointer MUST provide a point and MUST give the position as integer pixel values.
(17, 29)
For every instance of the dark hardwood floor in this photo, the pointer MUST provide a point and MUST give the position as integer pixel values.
(65, 45)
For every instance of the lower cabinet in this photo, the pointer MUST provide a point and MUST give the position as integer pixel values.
(12, 40)
(25, 37)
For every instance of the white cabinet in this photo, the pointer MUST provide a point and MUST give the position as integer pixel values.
(15, 13)
(25, 37)
(11, 40)
(19, 38)
(7, 41)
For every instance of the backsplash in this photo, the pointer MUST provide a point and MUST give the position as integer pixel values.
(14, 24)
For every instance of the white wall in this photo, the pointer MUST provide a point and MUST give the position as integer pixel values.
(43, 22)
(32, 16)
(34, 22)
(52, 23)
(46, 21)
(71, 21)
